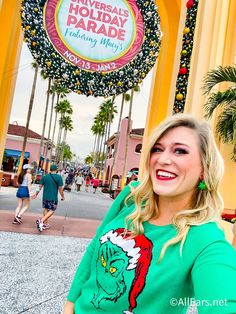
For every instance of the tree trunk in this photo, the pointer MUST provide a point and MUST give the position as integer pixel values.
(118, 135)
(54, 128)
(51, 114)
(104, 147)
(121, 112)
(127, 138)
(97, 149)
(45, 120)
(94, 145)
(28, 119)
(49, 130)
(63, 144)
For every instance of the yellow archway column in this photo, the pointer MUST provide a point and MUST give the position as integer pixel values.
(172, 18)
(11, 42)
(214, 45)
(229, 58)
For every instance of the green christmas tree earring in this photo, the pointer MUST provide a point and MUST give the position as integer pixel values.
(202, 185)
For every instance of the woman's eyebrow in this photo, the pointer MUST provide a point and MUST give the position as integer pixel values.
(175, 143)
(183, 144)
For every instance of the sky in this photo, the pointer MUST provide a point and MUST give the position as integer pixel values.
(85, 108)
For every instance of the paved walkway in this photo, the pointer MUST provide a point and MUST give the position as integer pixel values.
(36, 271)
(60, 226)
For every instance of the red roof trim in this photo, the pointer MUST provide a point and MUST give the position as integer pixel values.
(19, 130)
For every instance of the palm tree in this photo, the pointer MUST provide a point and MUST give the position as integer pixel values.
(226, 121)
(108, 111)
(66, 124)
(31, 102)
(67, 153)
(63, 107)
(88, 159)
(127, 136)
(61, 92)
(98, 130)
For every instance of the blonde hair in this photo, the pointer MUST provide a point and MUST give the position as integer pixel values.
(207, 204)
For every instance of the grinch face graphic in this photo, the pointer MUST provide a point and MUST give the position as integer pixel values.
(111, 265)
(119, 255)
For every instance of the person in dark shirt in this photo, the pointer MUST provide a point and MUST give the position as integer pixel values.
(52, 184)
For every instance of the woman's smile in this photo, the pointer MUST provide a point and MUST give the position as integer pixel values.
(165, 175)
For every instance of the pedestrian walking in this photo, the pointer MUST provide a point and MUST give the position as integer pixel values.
(69, 181)
(87, 182)
(160, 247)
(52, 184)
(95, 185)
(23, 193)
(79, 180)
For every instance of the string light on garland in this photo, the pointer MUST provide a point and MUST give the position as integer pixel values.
(186, 52)
(77, 79)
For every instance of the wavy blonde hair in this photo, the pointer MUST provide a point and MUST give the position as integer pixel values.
(206, 204)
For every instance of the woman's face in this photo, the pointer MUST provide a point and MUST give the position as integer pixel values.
(175, 165)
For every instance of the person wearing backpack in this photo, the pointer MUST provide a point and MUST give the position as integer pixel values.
(52, 184)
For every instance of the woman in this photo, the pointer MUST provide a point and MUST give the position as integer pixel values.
(79, 181)
(95, 185)
(160, 246)
(87, 182)
(23, 193)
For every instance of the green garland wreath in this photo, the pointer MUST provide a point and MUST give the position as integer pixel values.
(186, 53)
(81, 81)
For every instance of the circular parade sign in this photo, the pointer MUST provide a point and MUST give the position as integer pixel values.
(98, 48)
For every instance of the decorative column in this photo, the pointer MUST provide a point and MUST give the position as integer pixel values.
(214, 45)
(172, 17)
(11, 42)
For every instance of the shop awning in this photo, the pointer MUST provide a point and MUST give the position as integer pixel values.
(15, 153)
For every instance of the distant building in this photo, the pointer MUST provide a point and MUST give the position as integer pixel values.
(14, 142)
(115, 160)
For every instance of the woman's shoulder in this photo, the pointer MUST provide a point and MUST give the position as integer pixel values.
(200, 236)
(208, 231)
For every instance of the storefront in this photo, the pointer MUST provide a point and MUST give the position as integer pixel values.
(11, 159)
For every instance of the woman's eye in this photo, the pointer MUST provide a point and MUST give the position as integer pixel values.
(180, 151)
(156, 150)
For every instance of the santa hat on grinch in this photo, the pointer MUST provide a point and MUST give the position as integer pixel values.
(139, 251)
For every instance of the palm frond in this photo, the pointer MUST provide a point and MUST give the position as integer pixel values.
(214, 101)
(233, 156)
(226, 124)
(219, 75)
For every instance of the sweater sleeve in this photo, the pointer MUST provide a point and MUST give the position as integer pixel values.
(214, 279)
(83, 271)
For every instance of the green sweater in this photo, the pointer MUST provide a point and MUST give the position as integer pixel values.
(119, 275)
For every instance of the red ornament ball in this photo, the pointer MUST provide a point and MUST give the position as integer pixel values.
(183, 71)
(190, 4)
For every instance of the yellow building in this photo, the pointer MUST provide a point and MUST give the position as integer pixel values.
(214, 44)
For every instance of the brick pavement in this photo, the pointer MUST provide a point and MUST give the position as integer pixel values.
(60, 226)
